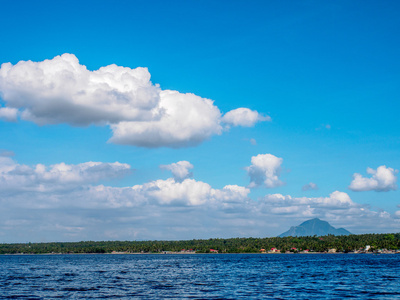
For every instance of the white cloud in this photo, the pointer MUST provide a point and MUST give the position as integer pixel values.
(383, 180)
(9, 114)
(336, 200)
(160, 193)
(64, 202)
(265, 170)
(16, 177)
(189, 192)
(180, 170)
(159, 209)
(232, 193)
(187, 120)
(61, 90)
(243, 117)
(73, 183)
(310, 186)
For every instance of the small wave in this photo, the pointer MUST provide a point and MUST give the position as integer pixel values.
(78, 289)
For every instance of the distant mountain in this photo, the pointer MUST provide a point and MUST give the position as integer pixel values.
(314, 227)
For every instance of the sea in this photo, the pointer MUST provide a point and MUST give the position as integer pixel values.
(200, 276)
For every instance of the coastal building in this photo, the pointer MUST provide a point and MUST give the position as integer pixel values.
(274, 250)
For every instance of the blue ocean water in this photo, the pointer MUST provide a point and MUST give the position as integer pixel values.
(212, 276)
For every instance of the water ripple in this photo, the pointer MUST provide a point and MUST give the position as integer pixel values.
(236, 276)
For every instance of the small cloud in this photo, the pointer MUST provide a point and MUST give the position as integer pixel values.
(324, 127)
(310, 186)
(253, 142)
(244, 117)
(265, 170)
(180, 170)
(383, 180)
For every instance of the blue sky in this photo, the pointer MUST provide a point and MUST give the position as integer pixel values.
(305, 97)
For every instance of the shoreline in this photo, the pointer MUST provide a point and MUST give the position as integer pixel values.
(179, 253)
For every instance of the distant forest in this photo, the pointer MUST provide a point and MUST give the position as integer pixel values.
(232, 245)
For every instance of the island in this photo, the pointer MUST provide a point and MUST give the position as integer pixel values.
(363, 243)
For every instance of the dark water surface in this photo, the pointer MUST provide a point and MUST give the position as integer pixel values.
(228, 276)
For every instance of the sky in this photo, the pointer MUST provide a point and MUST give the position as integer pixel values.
(168, 120)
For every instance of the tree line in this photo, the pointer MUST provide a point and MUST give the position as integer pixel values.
(232, 245)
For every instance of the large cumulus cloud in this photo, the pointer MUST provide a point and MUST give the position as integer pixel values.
(187, 120)
(61, 90)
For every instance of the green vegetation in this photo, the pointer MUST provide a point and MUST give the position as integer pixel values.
(233, 245)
